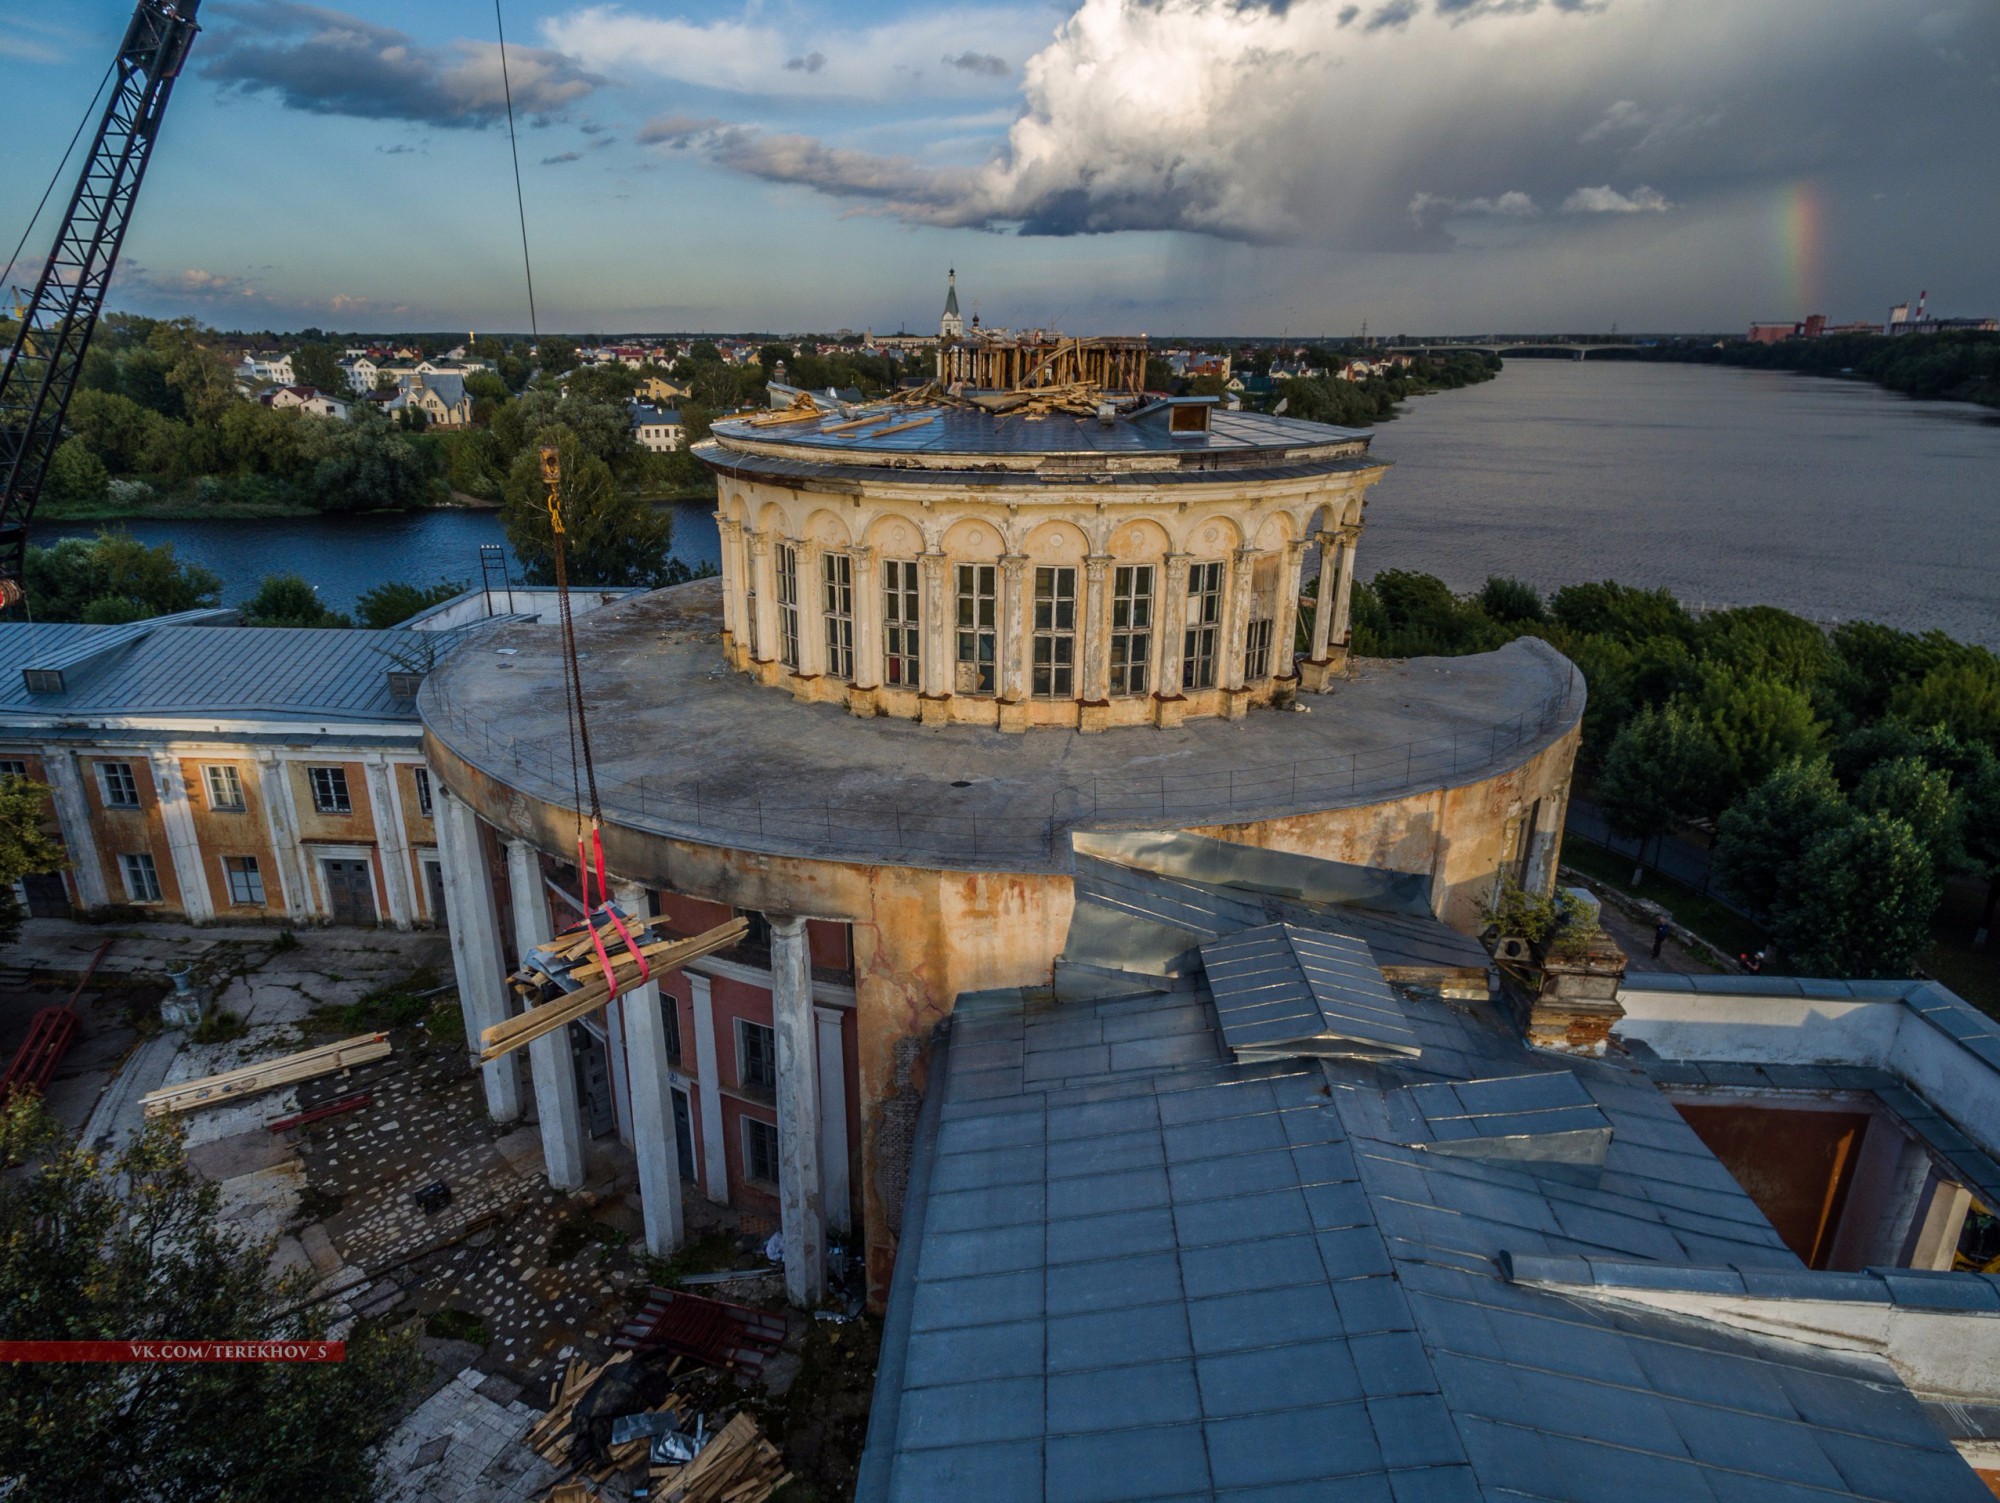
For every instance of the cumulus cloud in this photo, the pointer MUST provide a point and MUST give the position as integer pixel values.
(943, 51)
(1403, 124)
(1608, 200)
(1514, 205)
(979, 62)
(330, 63)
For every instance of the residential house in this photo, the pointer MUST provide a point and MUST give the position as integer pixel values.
(265, 369)
(656, 428)
(443, 400)
(307, 399)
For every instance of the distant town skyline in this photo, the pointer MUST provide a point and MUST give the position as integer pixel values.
(1179, 166)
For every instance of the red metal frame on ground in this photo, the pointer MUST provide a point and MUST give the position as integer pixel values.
(319, 1113)
(707, 1330)
(50, 1034)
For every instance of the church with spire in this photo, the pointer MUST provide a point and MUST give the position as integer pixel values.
(951, 326)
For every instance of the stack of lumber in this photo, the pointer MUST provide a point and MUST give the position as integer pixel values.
(549, 1437)
(632, 1452)
(266, 1075)
(564, 980)
(738, 1466)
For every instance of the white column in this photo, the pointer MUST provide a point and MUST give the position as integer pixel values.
(833, 1117)
(549, 1057)
(652, 1104)
(867, 620)
(1094, 679)
(183, 845)
(708, 1077)
(812, 607)
(730, 532)
(1285, 626)
(765, 577)
(800, 1214)
(1236, 615)
(937, 625)
(1323, 607)
(281, 820)
(474, 923)
(390, 840)
(65, 780)
(1172, 630)
(1013, 627)
(1343, 599)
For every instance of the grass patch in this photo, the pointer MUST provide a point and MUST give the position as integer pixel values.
(457, 1325)
(398, 1004)
(712, 1252)
(577, 1233)
(219, 1027)
(1721, 926)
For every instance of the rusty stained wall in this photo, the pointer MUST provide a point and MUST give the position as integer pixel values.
(117, 832)
(223, 832)
(419, 837)
(356, 828)
(1459, 837)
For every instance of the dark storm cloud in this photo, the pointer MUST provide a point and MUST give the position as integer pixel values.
(329, 63)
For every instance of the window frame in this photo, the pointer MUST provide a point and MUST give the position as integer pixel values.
(126, 797)
(1131, 643)
(13, 767)
(902, 625)
(247, 868)
(751, 1156)
(837, 599)
(745, 1055)
(1052, 660)
(976, 629)
(420, 778)
(129, 864)
(1201, 647)
(340, 802)
(218, 779)
(1257, 649)
(785, 563)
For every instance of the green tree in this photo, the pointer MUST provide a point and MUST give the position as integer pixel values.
(76, 477)
(1510, 600)
(1961, 698)
(555, 355)
(1923, 798)
(392, 604)
(612, 538)
(123, 578)
(133, 1249)
(1861, 901)
(1629, 614)
(1763, 639)
(1759, 723)
(369, 466)
(318, 364)
(1660, 770)
(288, 600)
(1761, 838)
(25, 846)
(117, 429)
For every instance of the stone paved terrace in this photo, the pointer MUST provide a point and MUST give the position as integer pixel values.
(686, 748)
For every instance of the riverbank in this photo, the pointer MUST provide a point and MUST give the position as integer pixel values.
(190, 509)
(1957, 366)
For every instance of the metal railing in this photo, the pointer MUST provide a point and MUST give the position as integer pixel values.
(1028, 828)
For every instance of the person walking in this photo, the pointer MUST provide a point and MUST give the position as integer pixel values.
(1660, 932)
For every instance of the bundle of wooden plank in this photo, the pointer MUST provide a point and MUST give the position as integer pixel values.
(564, 979)
(266, 1075)
(738, 1466)
(550, 1436)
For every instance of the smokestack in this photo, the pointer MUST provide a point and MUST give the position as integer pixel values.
(1922, 298)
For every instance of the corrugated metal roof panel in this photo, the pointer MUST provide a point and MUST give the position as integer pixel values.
(1281, 992)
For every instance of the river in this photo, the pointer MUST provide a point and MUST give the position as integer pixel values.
(1729, 487)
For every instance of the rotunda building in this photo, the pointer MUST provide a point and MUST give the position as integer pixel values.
(968, 648)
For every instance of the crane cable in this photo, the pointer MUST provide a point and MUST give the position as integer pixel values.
(89, 114)
(582, 769)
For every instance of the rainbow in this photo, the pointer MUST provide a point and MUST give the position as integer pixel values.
(1802, 243)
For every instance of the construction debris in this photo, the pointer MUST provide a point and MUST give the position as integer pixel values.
(551, 1436)
(566, 978)
(738, 1466)
(266, 1075)
(739, 1337)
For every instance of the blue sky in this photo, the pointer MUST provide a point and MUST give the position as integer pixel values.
(1105, 165)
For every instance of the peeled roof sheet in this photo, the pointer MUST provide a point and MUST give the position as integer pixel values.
(1283, 991)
